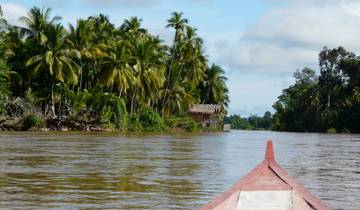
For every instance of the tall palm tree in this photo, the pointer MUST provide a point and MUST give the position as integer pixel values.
(214, 90)
(116, 67)
(179, 98)
(133, 26)
(103, 28)
(148, 69)
(56, 61)
(194, 61)
(189, 68)
(79, 38)
(179, 23)
(36, 22)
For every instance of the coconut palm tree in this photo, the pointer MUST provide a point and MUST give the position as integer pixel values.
(214, 90)
(116, 67)
(79, 38)
(194, 61)
(148, 69)
(189, 68)
(103, 28)
(36, 22)
(56, 61)
(178, 99)
(133, 26)
(178, 23)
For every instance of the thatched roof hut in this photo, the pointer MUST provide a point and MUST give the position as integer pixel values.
(205, 108)
(205, 113)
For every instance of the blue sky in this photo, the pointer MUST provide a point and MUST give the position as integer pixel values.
(260, 43)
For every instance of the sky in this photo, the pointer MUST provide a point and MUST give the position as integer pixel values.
(259, 43)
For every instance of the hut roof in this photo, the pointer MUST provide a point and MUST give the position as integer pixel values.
(205, 108)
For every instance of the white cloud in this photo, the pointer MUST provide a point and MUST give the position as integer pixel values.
(12, 12)
(290, 37)
(260, 60)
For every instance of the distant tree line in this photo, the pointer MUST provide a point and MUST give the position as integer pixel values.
(253, 122)
(329, 102)
(110, 72)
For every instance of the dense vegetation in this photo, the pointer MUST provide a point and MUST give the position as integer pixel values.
(329, 102)
(253, 122)
(121, 77)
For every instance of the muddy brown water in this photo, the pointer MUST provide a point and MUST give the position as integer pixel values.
(152, 171)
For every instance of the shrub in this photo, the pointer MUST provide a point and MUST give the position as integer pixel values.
(192, 126)
(134, 124)
(151, 120)
(331, 130)
(112, 110)
(32, 121)
(184, 122)
(4, 84)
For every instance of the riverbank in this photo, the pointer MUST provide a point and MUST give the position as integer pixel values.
(134, 123)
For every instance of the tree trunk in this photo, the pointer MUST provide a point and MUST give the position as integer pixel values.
(172, 89)
(52, 101)
(81, 76)
(133, 101)
(170, 68)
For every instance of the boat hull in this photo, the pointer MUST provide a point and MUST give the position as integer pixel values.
(267, 187)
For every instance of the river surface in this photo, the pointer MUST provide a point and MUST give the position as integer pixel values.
(113, 171)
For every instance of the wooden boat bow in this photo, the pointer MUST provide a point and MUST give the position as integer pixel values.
(267, 187)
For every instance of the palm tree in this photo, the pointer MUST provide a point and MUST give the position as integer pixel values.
(103, 28)
(133, 26)
(15, 51)
(116, 67)
(194, 61)
(178, 23)
(178, 99)
(36, 21)
(79, 38)
(189, 68)
(148, 69)
(56, 60)
(214, 90)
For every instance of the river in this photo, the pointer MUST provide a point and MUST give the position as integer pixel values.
(116, 171)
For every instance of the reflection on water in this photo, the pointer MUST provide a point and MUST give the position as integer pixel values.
(108, 171)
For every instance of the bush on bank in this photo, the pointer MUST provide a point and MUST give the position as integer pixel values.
(33, 121)
(183, 122)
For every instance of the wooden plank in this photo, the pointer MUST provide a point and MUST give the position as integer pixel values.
(264, 200)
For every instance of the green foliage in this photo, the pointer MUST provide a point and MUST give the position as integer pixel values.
(214, 89)
(190, 125)
(145, 120)
(299, 104)
(331, 130)
(95, 72)
(183, 122)
(253, 122)
(151, 120)
(134, 124)
(325, 103)
(4, 84)
(33, 121)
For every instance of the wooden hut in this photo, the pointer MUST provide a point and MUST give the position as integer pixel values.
(207, 114)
